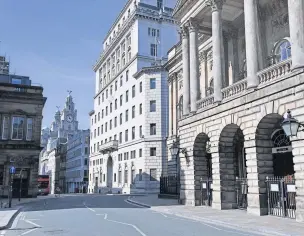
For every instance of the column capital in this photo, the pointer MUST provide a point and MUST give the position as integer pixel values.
(193, 25)
(184, 31)
(203, 55)
(216, 5)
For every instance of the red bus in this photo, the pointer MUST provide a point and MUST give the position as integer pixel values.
(43, 184)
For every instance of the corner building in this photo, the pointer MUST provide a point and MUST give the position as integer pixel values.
(129, 122)
(235, 73)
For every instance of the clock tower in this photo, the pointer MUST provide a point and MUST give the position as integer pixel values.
(69, 123)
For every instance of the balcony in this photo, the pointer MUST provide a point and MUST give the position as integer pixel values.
(109, 147)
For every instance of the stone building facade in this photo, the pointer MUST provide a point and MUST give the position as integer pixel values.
(21, 118)
(129, 120)
(236, 71)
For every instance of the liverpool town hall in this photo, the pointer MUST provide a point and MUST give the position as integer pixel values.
(234, 76)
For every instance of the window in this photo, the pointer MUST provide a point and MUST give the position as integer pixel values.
(159, 3)
(120, 137)
(140, 152)
(127, 95)
(86, 160)
(153, 173)
(29, 129)
(115, 137)
(153, 49)
(127, 75)
(86, 151)
(17, 128)
(115, 121)
(152, 129)
(116, 85)
(99, 100)
(149, 31)
(140, 87)
(115, 106)
(107, 110)
(106, 127)
(111, 107)
(153, 151)
(153, 83)
(126, 135)
(133, 154)
(102, 113)
(133, 91)
(119, 177)
(140, 109)
(133, 176)
(120, 118)
(95, 119)
(133, 112)
(110, 124)
(102, 129)
(153, 106)
(283, 51)
(98, 116)
(133, 132)
(121, 82)
(107, 93)
(102, 95)
(140, 131)
(126, 176)
(140, 175)
(94, 133)
(127, 115)
(98, 131)
(111, 90)
(120, 100)
(153, 32)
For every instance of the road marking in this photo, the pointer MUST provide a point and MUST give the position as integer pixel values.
(106, 216)
(30, 222)
(27, 232)
(123, 223)
(3, 232)
(88, 207)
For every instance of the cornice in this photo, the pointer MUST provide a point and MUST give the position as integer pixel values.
(151, 69)
(181, 8)
(174, 60)
(139, 12)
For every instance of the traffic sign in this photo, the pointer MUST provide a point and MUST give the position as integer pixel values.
(12, 170)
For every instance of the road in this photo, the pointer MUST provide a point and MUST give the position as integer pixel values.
(96, 215)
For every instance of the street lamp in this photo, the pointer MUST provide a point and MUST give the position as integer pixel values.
(290, 125)
(174, 149)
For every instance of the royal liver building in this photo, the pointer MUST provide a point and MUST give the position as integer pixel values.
(235, 75)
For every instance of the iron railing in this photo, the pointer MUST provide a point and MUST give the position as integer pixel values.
(206, 191)
(241, 187)
(281, 193)
(169, 185)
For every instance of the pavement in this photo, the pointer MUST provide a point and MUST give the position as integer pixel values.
(114, 215)
(234, 219)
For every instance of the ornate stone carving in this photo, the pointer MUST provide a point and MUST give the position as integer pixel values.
(203, 56)
(216, 5)
(192, 25)
(184, 31)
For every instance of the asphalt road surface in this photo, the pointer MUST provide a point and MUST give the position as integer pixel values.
(95, 215)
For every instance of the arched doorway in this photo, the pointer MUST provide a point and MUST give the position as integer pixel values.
(233, 169)
(202, 170)
(110, 172)
(275, 168)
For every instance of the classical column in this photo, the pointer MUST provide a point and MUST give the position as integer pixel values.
(170, 131)
(194, 77)
(186, 82)
(174, 103)
(251, 19)
(217, 47)
(296, 26)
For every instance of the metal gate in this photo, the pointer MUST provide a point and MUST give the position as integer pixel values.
(281, 196)
(206, 191)
(241, 186)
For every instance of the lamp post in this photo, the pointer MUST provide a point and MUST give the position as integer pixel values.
(290, 125)
(20, 187)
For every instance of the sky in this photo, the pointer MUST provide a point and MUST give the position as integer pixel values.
(56, 43)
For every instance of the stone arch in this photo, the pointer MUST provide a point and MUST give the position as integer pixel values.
(263, 161)
(200, 164)
(232, 165)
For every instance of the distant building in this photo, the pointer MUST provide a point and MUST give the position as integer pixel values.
(77, 162)
(4, 66)
(130, 117)
(63, 128)
(21, 106)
